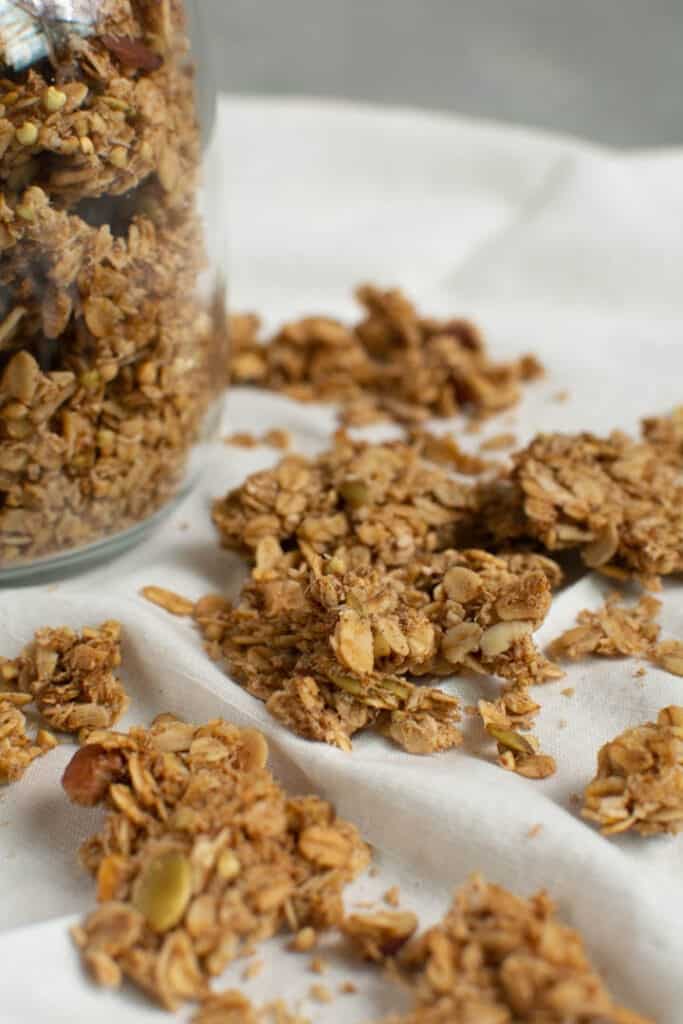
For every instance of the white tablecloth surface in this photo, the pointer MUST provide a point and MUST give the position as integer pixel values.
(566, 250)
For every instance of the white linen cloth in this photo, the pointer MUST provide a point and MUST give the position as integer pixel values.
(555, 247)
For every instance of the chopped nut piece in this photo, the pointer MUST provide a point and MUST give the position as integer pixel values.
(382, 934)
(639, 781)
(201, 856)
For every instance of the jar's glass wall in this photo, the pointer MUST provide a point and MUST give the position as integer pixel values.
(112, 339)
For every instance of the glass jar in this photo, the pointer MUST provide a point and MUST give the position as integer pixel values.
(113, 348)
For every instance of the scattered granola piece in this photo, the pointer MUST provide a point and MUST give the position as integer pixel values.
(171, 602)
(393, 363)
(499, 958)
(516, 752)
(498, 442)
(318, 965)
(534, 831)
(381, 934)
(347, 988)
(280, 439)
(611, 631)
(639, 780)
(252, 970)
(201, 856)
(17, 750)
(669, 656)
(568, 691)
(72, 677)
(229, 1007)
(321, 993)
(666, 434)
(616, 500)
(304, 940)
(392, 897)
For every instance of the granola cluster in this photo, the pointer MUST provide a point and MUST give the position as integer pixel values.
(70, 680)
(639, 780)
(107, 359)
(500, 959)
(72, 677)
(616, 500)
(393, 363)
(612, 630)
(202, 855)
(356, 589)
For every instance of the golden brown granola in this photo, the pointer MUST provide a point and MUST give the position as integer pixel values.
(666, 434)
(17, 750)
(669, 656)
(499, 959)
(380, 935)
(171, 602)
(202, 855)
(356, 589)
(518, 752)
(106, 353)
(71, 676)
(393, 363)
(616, 500)
(611, 631)
(639, 779)
(280, 439)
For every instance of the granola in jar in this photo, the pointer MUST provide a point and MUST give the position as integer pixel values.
(109, 348)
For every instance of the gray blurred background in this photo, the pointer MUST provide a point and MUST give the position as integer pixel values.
(611, 70)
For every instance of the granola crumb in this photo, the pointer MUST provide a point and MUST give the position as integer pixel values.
(640, 672)
(252, 970)
(392, 897)
(321, 993)
(196, 823)
(171, 602)
(639, 779)
(669, 656)
(560, 396)
(279, 439)
(498, 442)
(304, 940)
(374, 871)
(568, 691)
(534, 831)
(318, 965)
(379, 935)
(347, 988)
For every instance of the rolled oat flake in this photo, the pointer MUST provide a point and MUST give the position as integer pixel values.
(29, 29)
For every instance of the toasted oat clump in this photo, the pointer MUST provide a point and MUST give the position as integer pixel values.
(393, 363)
(669, 656)
(499, 959)
(503, 719)
(17, 750)
(639, 781)
(611, 631)
(616, 500)
(380, 935)
(71, 677)
(202, 855)
(329, 649)
(666, 434)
